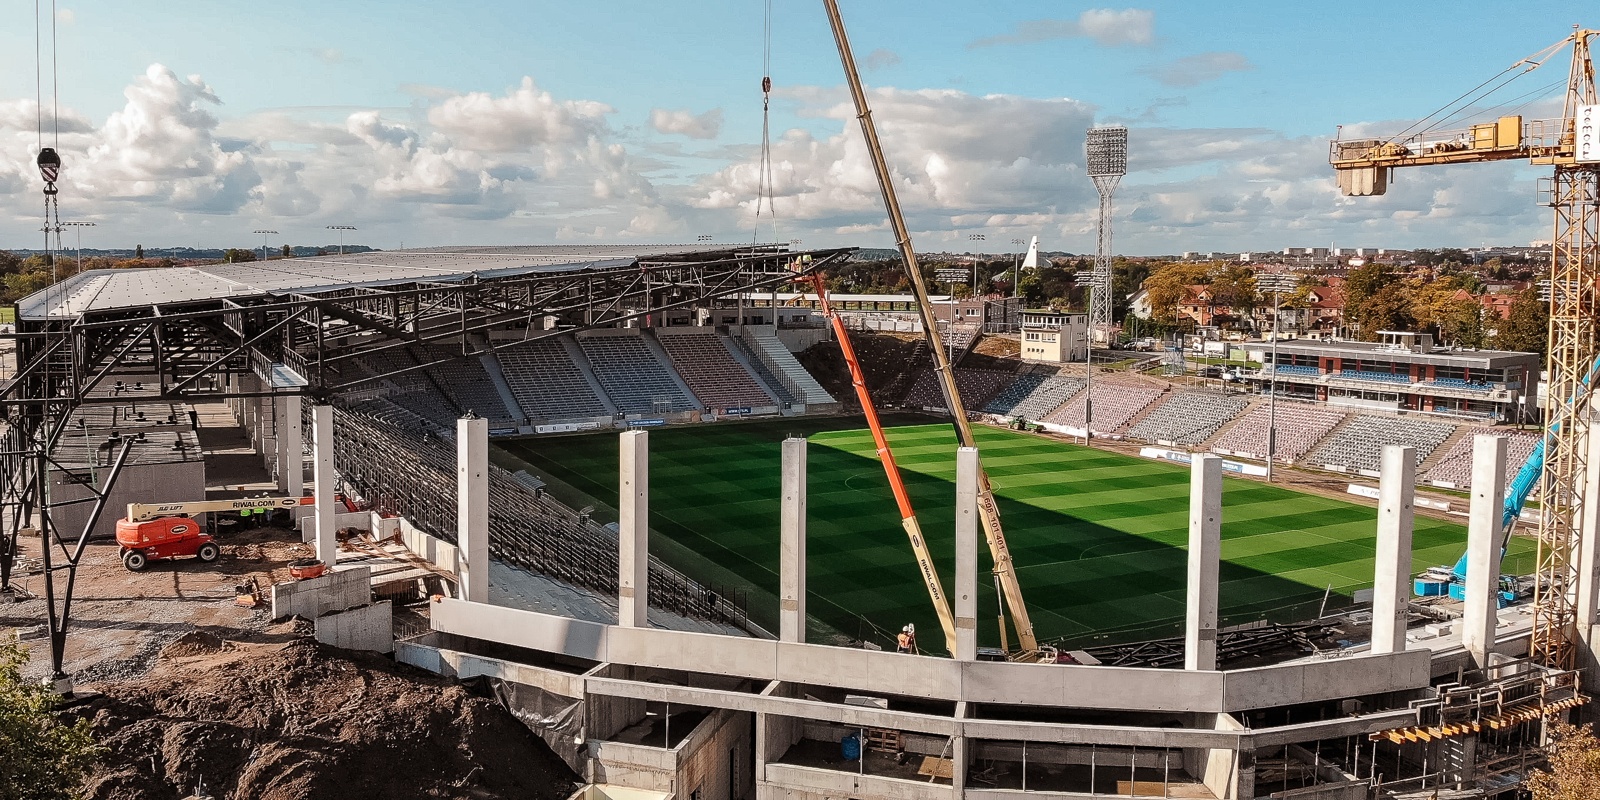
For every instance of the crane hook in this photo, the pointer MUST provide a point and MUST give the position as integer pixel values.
(49, 168)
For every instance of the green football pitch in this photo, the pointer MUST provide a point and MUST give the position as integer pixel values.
(1098, 537)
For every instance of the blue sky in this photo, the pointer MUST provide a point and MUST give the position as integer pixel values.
(496, 122)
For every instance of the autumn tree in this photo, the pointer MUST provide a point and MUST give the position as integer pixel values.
(1574, 772)
(1526, 329)
(1167, 284)
(1389, 309)
(41, 757)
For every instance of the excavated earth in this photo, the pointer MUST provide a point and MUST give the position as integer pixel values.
(295, 719)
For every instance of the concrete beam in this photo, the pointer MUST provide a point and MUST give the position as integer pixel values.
(1480, 614)
(633, 530)
(792, 556)
(291, 447)
(1205, 551)
(322, 480)
(1391, 590)
(966, 590)
(472, 508)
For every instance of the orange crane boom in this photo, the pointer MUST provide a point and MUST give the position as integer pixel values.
(902, 498)
(988, 508)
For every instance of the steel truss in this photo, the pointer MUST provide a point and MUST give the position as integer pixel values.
(190, 352)
(1575, 268)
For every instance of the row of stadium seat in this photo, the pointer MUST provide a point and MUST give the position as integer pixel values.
(1115, 404)
(1300, 427)
(977, 387)
(548, 384)
(635, 380)
(713, 375)
(1359, 445)
(1459, 383)
(1455, 466)
(1380, 377)
(1187, 418)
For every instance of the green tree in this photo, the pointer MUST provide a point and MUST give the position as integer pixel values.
(1360, 286)
(9, 262)
(1574, 772)
(138, 251)
(1527, 327)
(288, 252)
(234, 255)
(1461, 323)
(41, 757)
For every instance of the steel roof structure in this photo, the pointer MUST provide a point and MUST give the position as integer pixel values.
(299, 327)
(111, 289)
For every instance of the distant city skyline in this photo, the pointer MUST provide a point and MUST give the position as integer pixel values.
(190, 121)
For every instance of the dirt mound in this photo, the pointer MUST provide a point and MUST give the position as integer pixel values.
(890, 361)
(193, 643)
(304, 721)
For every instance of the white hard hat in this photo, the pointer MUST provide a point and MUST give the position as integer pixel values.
(909, 628)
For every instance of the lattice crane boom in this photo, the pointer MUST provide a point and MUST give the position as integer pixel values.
(1569, 145)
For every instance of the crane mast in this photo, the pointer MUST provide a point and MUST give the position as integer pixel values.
(988, 508)
(1364, 167)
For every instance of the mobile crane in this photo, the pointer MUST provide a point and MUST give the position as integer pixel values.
(988, 509)
(1570, 145)
(159, 531)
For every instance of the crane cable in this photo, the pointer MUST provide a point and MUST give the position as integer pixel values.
(1466, 98)
(49, 158)
(764, 179)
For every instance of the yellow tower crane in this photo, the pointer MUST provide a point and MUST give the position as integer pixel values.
(1571, 145)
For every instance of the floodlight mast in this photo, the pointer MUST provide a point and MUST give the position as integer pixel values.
(988, 509)
(1106, 155)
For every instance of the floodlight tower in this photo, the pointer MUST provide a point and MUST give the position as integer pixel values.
(1106, 155)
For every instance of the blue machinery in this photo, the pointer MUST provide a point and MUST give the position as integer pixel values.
(1439, 581)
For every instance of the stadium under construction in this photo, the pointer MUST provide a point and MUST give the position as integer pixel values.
(389, 379)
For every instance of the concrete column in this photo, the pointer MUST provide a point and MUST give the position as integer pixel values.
(1205, 551)
(322, 444)
(966, 591)
(472, 508)
(792, 558)
(1480, 614)
(633, 530)
(1588, 595)
(291, 447)
(1392, 569)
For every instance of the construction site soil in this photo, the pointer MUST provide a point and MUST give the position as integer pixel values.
(300, 720)
(186, 688)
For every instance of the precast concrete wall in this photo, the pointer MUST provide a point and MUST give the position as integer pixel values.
(314, 597)
(368, 627)
(138, 483)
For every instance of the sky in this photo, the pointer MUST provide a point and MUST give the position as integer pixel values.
(195, 122)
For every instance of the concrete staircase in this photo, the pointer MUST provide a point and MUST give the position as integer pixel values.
(745, 354)
(1444, 448)
(497, 376)
(582, 361)
(783, 365)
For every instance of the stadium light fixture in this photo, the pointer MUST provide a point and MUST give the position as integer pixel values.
(78, 232)
(341, 229)
(264, 235)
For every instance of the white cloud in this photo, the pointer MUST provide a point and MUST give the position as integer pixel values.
(66, 16)
(1199, 68)
(525, 119)
(687, 123)
(1107, 27)
(527, 165)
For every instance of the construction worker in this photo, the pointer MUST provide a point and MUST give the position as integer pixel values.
(906, 642)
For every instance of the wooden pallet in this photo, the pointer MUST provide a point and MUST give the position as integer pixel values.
(885, 740)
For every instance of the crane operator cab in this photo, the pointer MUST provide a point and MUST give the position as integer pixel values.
(160, 531)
